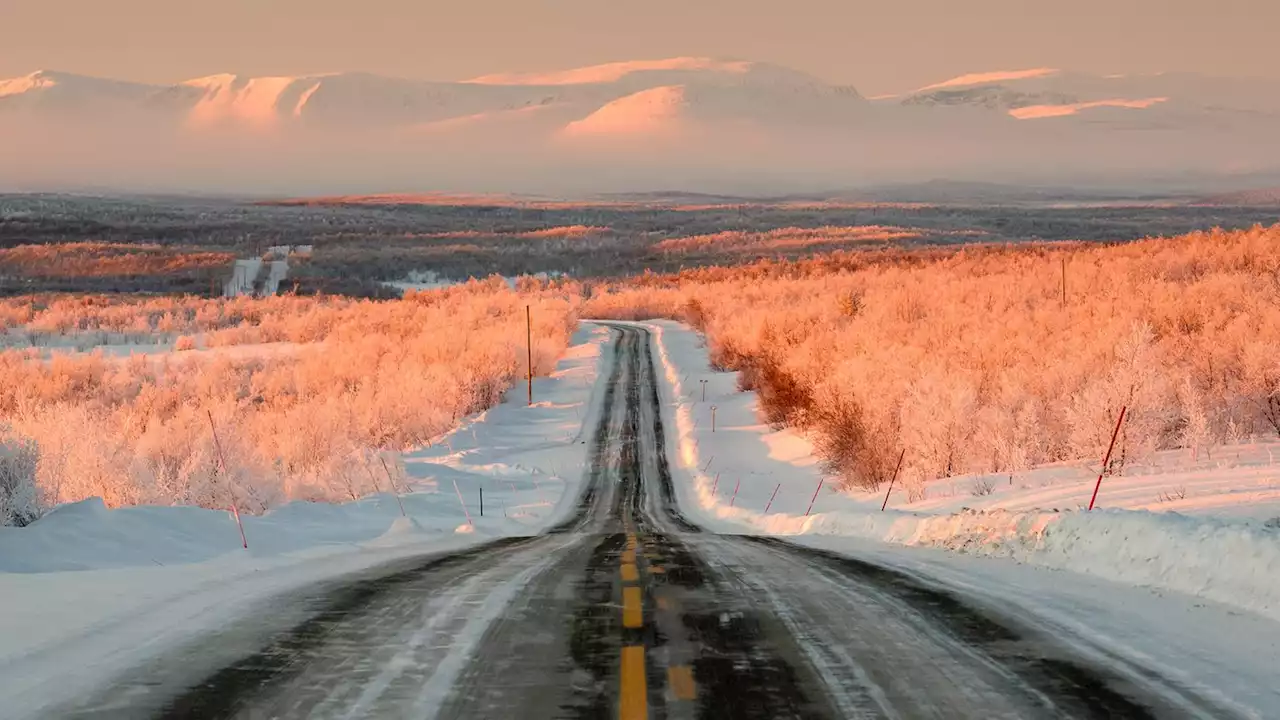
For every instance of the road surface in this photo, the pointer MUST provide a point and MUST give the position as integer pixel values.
(628, 610)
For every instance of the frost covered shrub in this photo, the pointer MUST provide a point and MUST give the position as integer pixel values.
(971, 361)
(19, 497)
(298, 418)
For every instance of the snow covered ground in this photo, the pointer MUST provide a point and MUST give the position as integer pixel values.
(99, 589)
(745, 477)
(1160, 582)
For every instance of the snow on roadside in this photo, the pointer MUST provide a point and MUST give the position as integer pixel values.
(100, 589)
(734, 473)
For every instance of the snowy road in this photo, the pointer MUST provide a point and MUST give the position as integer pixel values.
(628, 610)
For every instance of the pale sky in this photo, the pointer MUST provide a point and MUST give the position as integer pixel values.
(879, 46)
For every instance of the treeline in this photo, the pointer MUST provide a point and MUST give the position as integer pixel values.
(308, 419)
(983, 360)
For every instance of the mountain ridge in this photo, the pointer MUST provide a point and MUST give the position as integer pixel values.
(713, 121)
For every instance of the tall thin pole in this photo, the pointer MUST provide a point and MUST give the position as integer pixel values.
(1064, 281)
(222, 466)
(394, 489)
(1107, 459)
(771, 497)
(814, 499)
(528, 328)
(894, 479)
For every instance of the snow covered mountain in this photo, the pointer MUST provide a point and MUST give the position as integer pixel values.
(1045, 93)
(717, 124)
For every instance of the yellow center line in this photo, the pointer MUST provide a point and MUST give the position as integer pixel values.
(633, 702)
(629, 573)
(632, 609)
(680, 680)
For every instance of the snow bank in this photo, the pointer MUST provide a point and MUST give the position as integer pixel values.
(734, 473)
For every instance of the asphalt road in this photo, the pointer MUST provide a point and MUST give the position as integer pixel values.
(627, 610)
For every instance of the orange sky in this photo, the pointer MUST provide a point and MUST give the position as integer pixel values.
(880, 46)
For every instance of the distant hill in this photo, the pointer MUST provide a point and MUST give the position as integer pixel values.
(723, 127)
(1268, 197)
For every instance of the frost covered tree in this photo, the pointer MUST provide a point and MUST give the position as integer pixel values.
(20, 502)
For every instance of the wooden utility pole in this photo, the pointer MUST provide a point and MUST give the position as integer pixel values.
(528, 343)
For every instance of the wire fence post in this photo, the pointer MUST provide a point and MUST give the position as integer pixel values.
(893, 480)
(1107, 458)
(222, 467)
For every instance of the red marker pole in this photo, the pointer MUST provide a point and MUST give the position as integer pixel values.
(1107, 458)
(893, 480)
(771, 497)
(734, 499)
(715, 485)
(814, 499)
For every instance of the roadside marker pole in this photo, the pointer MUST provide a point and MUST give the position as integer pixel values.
(1107, 458)
(528, 329)
(734, 499)
(708, 465)
(713, 418)
(481, 502)
(387, 470)
(814, 499)
(715, 485)
(222, 466)
(774, 495)
(463, 503)
(893, 480)
(374, 480)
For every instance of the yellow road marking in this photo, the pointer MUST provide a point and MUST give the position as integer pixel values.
(629, 573)
(680, 680)
(633, 703)
(632, 609)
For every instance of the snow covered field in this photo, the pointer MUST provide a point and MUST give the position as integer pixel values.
(97, 589)
(1227, 551)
